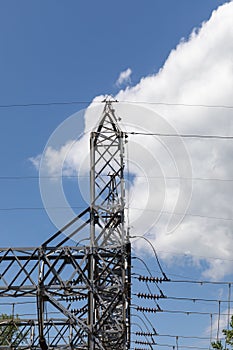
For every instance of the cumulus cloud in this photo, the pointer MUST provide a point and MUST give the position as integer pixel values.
(124, 77)
(198, 71)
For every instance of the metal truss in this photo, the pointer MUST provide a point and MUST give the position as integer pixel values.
(78, 296)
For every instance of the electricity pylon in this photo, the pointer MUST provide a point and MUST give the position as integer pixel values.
(109, 274)
(81, 293)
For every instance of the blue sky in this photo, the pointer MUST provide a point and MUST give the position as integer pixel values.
(54, 52)
(61, 51)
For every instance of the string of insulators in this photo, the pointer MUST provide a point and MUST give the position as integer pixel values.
(145, 334)
(152, 279)
(148, 309)
(75, 298)
(78, 311)
(78, 280)
(150, 296)
(143, 342)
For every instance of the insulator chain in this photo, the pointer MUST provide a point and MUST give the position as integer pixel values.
(150, 296)
(152, 279)
(148, 309)
(78, 311)
(75, 298)
(145, 334)
(141, 342)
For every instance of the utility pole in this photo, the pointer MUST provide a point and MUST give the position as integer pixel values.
(81, 293)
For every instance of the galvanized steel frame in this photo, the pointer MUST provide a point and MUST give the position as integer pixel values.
(88, 287)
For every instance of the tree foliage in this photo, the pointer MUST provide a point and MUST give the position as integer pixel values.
(228, 333)
(9, 333)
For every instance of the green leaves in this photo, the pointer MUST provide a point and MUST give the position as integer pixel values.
(228, 333)
(9, 332)
(217, 345)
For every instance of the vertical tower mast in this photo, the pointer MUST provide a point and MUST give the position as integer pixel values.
(107, 182)
(109, 261)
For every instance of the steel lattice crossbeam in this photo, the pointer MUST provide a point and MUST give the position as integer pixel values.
(78, 296)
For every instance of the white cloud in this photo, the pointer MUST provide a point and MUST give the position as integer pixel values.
(198, 71)
(35, 161)
(124, 77)
(219, 323)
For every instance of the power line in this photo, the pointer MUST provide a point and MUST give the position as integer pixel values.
(131, 208)
(191, 299)
(179, 336)
(17, 303)
(155, 254)
(200, 282)
(182, 346)
(182, 178)
(199, 256)
(197, 299)
(36, 177)
(62, 103)
(192, 312)
(183, 214)
(147, 285)
(199, 136)
(184, 312)
(193, 281)
(188, 337)
(39, 208)
(178, 104)
(194, 299)
(38, 104)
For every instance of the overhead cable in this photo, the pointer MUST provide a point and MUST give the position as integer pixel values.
(36, 177)
(76, 102)
(199, 136)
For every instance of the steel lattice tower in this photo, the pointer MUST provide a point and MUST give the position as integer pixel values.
(110, 248)
(85, 288)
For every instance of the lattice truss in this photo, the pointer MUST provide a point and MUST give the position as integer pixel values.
(72, 296)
